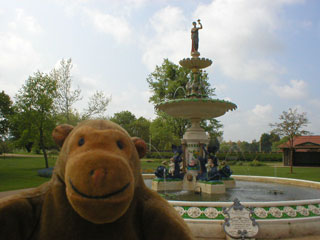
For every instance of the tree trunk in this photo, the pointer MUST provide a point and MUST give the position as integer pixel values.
(291, 159)
(41, 142)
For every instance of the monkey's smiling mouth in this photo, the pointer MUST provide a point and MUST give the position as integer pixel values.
(99, 197)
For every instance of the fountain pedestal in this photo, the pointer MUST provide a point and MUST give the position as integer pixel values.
(196, 106)
(172, 185)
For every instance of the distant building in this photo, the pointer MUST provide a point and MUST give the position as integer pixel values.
(306, 151)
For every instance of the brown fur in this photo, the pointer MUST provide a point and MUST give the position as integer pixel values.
(96, 192)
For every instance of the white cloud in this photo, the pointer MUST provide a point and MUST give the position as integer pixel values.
(315, 103)
(239, 35)
(24, 22)
(18, 60)
(117, 27)
(134, 100)
(247, 125)
(306, 24)
(296, 90)
(260, 115)
(169, 40)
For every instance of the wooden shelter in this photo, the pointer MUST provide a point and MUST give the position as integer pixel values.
(306, 151)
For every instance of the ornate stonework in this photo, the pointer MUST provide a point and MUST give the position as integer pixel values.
(194, 212)
(211, 212)
(260, 212)
(278, 212)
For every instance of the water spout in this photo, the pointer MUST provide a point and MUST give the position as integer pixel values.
(164, 181)
(155, 149)
(178, 89)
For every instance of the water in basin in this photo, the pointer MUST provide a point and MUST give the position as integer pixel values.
(247, 191)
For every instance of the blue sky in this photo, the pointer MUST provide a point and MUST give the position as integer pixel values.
(266, 54)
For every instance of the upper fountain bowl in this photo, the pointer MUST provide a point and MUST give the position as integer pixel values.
(195, 63)
(196, 108)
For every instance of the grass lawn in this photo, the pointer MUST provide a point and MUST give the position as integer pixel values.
(21, 172)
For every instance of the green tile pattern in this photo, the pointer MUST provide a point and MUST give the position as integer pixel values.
(279, 212)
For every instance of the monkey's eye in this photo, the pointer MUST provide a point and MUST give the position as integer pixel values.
(120, 144)
(81, 142)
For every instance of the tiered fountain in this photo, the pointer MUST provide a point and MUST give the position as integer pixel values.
(292, 214)
(196, 106)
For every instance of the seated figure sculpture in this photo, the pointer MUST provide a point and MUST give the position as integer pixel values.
(208, 165)
(177, 159)
(225, 171)
(203, 165)
(213, 173)
(174, 165)
(209, 170)
(161, 172)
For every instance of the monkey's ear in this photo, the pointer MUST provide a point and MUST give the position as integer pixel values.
(60, 133)
(140, 146)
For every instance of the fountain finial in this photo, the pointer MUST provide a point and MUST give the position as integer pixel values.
(195, 38)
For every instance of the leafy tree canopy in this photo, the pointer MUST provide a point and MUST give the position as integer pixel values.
(266, 141)
(66, 96)
(168, 80)
(6, 111)
(138, 127)
(35, 117)
(291, 125)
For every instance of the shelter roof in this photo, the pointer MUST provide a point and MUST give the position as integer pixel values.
(304, 142)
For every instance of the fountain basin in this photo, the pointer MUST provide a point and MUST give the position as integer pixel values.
(289, 219)
(213, 187)
(196, 108)
(195, 63)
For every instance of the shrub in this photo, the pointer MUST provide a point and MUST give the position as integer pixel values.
(46, 172)
(256, 163)
(239, 163)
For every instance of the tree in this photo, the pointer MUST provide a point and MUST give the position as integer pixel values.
(254, 146)
(97, 106)
(266, 141)
(35, 118)
(141, 129)
(275, 145)
(244, 146)
(162, 134)
(291, 125)
(125, 120)
(212, 127)
(66, 96)
(6, 111)
(167, 82)
(135, 127)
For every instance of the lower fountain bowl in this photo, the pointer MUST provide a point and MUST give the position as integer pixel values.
(289, 219)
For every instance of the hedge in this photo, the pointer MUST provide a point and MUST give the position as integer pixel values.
(261, 157)
(246, 156)
(164, 155)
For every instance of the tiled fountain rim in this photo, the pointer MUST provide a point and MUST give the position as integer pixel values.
(268, 211)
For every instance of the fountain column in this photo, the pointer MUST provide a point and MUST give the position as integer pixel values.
(196, 106)
(193, 140)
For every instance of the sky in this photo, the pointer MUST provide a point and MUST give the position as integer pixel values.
(266, 54)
